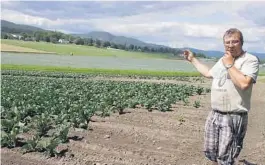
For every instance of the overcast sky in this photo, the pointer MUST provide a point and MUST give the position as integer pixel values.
(174, 23)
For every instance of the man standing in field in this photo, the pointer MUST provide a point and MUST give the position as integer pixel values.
(233, 77)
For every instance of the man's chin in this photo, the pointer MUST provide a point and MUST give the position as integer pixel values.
(233, 53)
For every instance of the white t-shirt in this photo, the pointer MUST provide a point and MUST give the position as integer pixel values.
(225, 95)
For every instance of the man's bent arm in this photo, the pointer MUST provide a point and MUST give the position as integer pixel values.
(203, 69)
(239, 79)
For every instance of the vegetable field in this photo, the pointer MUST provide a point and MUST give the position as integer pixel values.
(80, 118)
(121, 63)
(47, 107)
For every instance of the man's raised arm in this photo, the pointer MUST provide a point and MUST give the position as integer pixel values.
(203, 69)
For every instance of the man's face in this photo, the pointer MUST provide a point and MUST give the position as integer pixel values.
(232, 44)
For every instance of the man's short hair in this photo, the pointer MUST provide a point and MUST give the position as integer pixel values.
(233, 31)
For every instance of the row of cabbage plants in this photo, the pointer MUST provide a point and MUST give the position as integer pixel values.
(44, 108)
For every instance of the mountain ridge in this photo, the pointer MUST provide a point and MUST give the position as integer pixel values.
(106, 36)
(10, 27)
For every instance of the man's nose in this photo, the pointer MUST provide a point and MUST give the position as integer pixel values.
(231, 44)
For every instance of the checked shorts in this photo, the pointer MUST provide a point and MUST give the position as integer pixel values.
(224, 134)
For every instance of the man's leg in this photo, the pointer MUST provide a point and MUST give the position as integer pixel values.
(232, 133)
(211, 137)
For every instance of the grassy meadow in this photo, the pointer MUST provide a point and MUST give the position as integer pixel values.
(81, 50)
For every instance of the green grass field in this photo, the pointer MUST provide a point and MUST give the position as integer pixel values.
(67, 49)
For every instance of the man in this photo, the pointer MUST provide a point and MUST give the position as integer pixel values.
(233, 77)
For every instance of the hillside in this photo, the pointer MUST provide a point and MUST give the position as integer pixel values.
(105, 36)
(10, 27)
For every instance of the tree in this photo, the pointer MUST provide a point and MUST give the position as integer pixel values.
(90, 42)
(47, 38)
(79, 41)
(146, 49)
(200, 55)
(37, 37)
(24, 35)
(98, 43)
(113, 45)
(53, 40)
(139, 48)
(5, 36)
(106, 44)
(131, 47)
(121, 46)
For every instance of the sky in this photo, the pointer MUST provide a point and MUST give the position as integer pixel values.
(176, 24)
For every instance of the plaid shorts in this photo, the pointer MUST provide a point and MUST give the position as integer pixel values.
(224, 134)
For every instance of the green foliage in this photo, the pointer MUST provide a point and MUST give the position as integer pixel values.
(199, 90)
(42, 123)
(197, 104)
(11, 126)
(31, 144)
(201, 55)
(68, 72)
(9, 139)
(49, 105)
(62, 133)
(186, 102)
(207, 90)
(48, 146)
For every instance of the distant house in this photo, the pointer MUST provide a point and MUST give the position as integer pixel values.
(63, 41)
(114, 48)
(16, 36)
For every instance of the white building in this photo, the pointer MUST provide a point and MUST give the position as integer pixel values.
(63, 41)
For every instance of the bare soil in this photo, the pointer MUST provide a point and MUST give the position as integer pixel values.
(139, 137)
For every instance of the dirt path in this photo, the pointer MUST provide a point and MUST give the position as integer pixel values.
(140, 137)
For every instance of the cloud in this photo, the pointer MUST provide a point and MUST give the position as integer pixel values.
(254, 12)
(193, 24)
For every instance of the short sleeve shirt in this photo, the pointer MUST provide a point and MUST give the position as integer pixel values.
(225, 95)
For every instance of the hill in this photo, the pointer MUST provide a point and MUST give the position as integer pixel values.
(10, 27)
(105, 36)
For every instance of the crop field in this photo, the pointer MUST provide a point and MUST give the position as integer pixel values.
(87, 118)
(119, 63)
